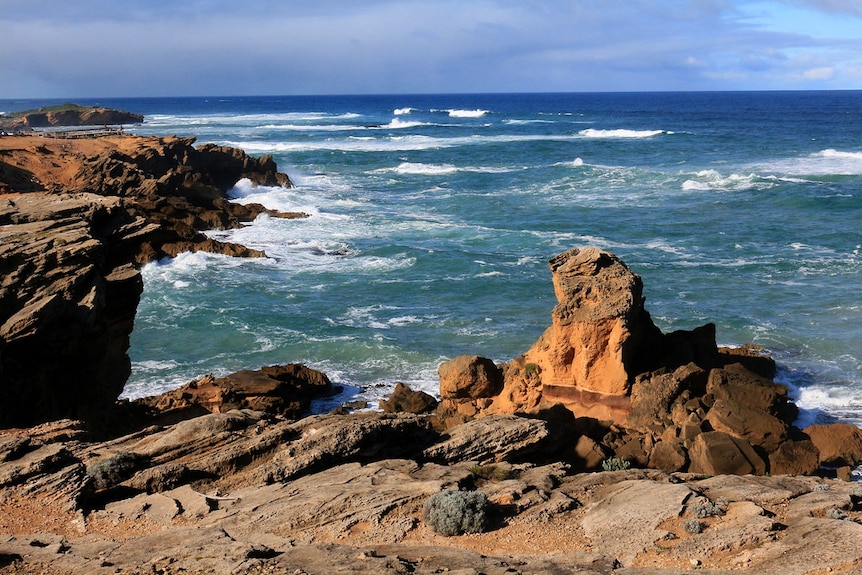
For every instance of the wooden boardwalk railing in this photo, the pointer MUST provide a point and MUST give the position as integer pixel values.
(78, 132)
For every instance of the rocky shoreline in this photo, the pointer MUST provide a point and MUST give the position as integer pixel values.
(608, 447)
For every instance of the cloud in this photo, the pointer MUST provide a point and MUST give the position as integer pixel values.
(851, 7)
(55, 48)
(823, 73)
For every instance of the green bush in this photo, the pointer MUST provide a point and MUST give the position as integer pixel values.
(493, 472)
(457, 512)
(707, 508)
(615, 464)
(693, 526)
(115, 469)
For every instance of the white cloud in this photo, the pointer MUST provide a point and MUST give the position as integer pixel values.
(823, 73)
(56, 48)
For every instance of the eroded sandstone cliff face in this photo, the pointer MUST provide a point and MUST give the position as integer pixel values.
(77, 219)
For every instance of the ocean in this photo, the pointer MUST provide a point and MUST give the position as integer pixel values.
(432, 218)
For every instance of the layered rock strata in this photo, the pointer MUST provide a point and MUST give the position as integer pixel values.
(77, 220)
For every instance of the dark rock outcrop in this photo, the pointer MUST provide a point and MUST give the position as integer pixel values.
(280, 390)
(77, 219)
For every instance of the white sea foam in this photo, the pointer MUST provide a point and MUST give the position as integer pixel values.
(706, 180)
(578, 162)
(829, 162)
(398, 124)
(424, 169)
(245, 119)
(389, 143)
(403, 111)
(467, 113)
(527, 122)
(621, 133)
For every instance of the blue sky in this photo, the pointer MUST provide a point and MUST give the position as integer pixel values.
(107, 48)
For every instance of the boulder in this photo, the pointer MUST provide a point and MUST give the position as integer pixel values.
(405, 399)
(718, 453)
(794, 457)
(740, 386)
(469, 377)
(755, 426)
(669, 457)
(839, 444)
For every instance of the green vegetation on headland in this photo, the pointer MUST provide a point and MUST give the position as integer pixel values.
(67, 107)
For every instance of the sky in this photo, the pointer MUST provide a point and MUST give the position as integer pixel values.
(135, 48)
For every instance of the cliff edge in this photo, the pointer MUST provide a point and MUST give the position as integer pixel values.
(77, 220)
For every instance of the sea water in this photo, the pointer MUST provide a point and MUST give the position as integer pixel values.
(431, 220)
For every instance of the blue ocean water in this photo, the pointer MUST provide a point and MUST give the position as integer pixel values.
(433, 217)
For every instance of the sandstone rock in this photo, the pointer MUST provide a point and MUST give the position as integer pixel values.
(718, 453)
(65, 293)
(405, 399)
(589, 454)
(587, 357)
(624, 520)
(740, 386)
(326, 440)
(794, 457)
(838, 443)
(491, 439)
(753, 425)
(469, 377)
(669, 457)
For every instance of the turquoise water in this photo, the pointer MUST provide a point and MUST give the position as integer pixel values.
(433, 217)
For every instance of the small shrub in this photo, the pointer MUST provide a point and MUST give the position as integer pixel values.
(115, 469)
(835, 513)
(821, 487)
(693, 526)
(531, 370)
(493, 472)
(707, 508)
(615, 464)
(457, 512)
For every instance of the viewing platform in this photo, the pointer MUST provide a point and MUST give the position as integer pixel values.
(79, 132)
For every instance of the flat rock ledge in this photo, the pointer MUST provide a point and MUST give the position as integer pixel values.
(247, 492)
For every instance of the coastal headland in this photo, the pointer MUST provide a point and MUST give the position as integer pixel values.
(607, 447)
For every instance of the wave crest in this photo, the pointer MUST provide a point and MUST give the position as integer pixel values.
(621, 133)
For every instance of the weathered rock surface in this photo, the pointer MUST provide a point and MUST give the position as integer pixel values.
(343, 504)
(674, 401)
(77, 219)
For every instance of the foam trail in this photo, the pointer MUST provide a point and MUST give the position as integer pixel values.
(467, 113)
(621, 133)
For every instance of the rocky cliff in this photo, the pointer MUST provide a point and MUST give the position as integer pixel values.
(77, 219)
